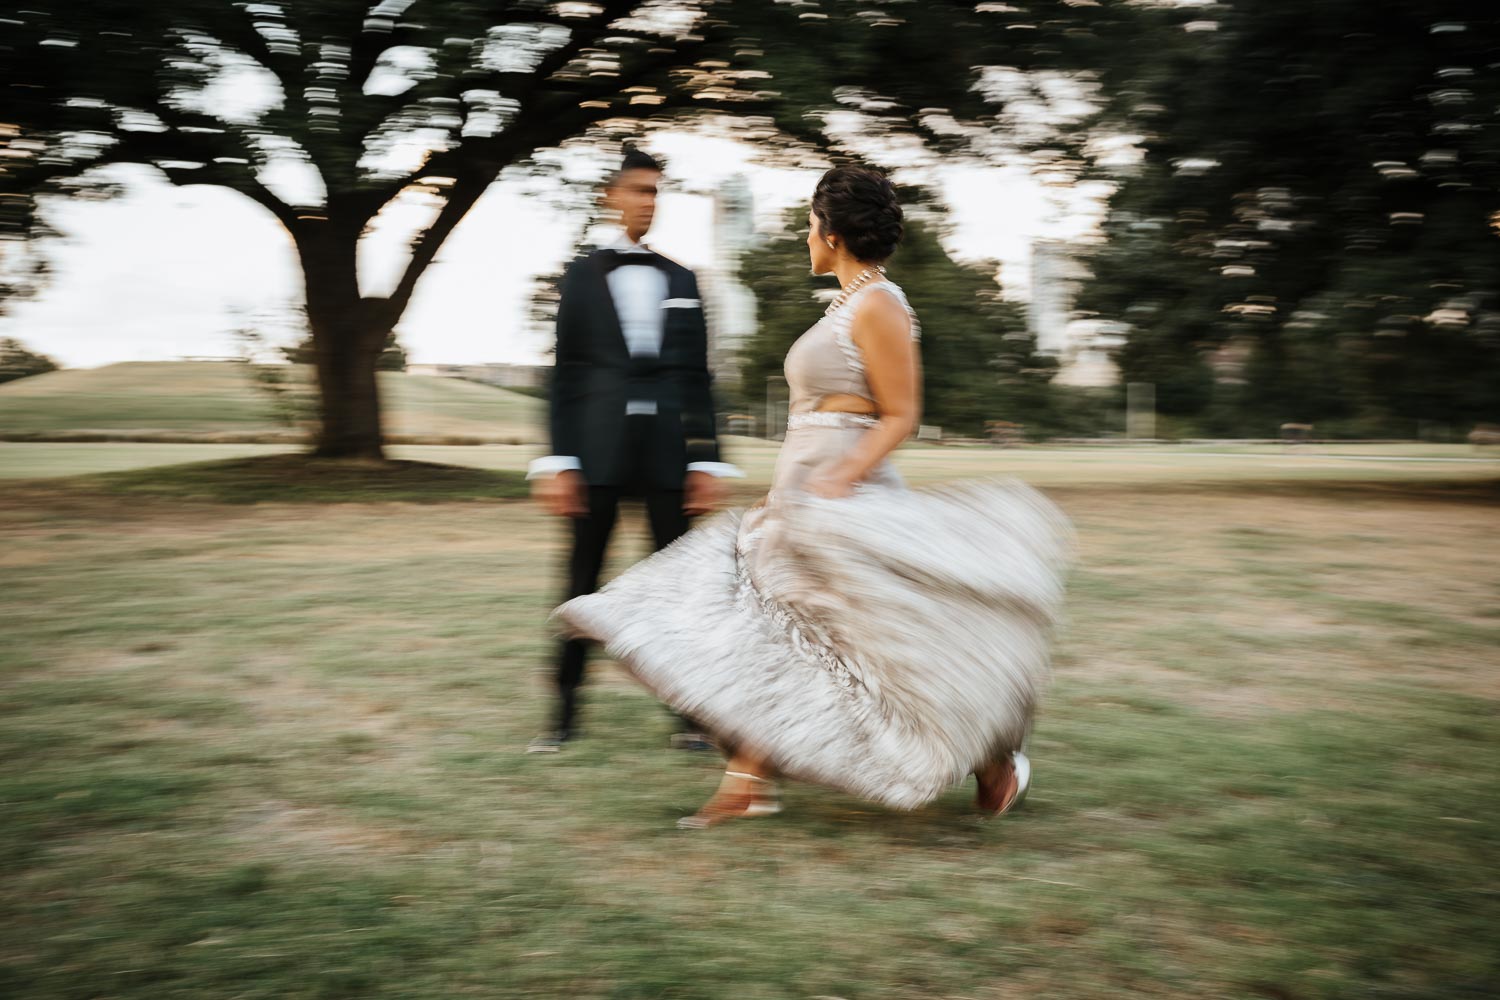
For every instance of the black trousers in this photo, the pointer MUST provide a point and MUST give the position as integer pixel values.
(591, 535)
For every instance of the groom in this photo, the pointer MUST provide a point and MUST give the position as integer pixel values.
(631, 410)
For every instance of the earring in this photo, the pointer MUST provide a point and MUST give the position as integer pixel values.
(831, 245)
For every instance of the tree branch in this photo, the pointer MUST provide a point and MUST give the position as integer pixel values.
(153, 148)
(371, 43)
(291, 72)
(461, 197)
(471, 183)
(520, 87)
(246, 37)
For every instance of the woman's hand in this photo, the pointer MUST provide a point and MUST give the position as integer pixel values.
(830, 484)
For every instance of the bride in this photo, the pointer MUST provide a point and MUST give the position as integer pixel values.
(848, 631)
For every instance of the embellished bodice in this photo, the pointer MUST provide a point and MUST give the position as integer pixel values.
(826, 362)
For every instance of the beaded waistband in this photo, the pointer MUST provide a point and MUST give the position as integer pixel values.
(829, 418)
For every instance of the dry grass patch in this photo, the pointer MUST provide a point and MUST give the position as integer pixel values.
(275, 750)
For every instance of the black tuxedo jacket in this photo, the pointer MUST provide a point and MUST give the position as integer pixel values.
(595, 377)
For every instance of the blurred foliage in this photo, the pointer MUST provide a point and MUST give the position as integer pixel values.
(18, 362)
(282, 383)
(431, 99)
(24, 266)
(392, 357)
(979, 362)
(1312, 235)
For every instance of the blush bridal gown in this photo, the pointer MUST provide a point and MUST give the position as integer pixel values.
(885, 644)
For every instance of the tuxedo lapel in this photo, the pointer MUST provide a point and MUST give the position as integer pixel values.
(607, 317)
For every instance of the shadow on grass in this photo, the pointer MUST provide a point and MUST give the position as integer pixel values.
(303, 479)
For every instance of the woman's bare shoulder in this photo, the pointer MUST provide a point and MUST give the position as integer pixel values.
(881, 313)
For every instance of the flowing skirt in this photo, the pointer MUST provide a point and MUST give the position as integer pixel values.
(886, 644)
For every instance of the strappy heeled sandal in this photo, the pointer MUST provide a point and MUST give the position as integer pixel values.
(762, 800)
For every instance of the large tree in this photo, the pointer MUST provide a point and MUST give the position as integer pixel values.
(1314, 230)
(229, 92)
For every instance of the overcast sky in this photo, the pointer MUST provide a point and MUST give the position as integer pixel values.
(164, 272)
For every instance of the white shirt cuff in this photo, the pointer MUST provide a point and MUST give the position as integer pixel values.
(552, 465)
(722, 470)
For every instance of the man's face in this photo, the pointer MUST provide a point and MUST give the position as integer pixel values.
(633, 198)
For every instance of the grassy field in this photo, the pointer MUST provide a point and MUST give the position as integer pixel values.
(183, 397)
(1048, 465)
(274, 750)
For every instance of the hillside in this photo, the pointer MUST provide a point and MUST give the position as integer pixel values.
(216, 398)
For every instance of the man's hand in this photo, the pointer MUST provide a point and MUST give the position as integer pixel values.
(563, 494)
(702, 493)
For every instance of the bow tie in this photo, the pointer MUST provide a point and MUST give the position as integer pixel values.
(610, 259)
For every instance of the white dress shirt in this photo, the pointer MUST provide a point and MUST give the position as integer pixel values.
(639, 293)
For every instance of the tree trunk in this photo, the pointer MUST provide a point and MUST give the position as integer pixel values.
(348, 392)
(348, 334)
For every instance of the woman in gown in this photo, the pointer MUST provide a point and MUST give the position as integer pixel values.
(848, 631)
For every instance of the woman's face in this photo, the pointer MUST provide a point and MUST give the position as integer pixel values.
(820, 255)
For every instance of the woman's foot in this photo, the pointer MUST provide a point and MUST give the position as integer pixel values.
(1003, 784)
(740, 796)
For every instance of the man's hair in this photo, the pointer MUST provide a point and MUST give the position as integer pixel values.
(634, 159)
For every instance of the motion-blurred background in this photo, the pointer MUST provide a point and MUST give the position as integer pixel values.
(276, 289)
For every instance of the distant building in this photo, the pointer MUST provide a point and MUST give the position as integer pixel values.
(730, 306)
(1090, 360)
(1083, 346)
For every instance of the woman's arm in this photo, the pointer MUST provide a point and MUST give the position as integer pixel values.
(881, 329)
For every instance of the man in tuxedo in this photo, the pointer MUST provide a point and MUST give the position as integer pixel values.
(632, 414)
